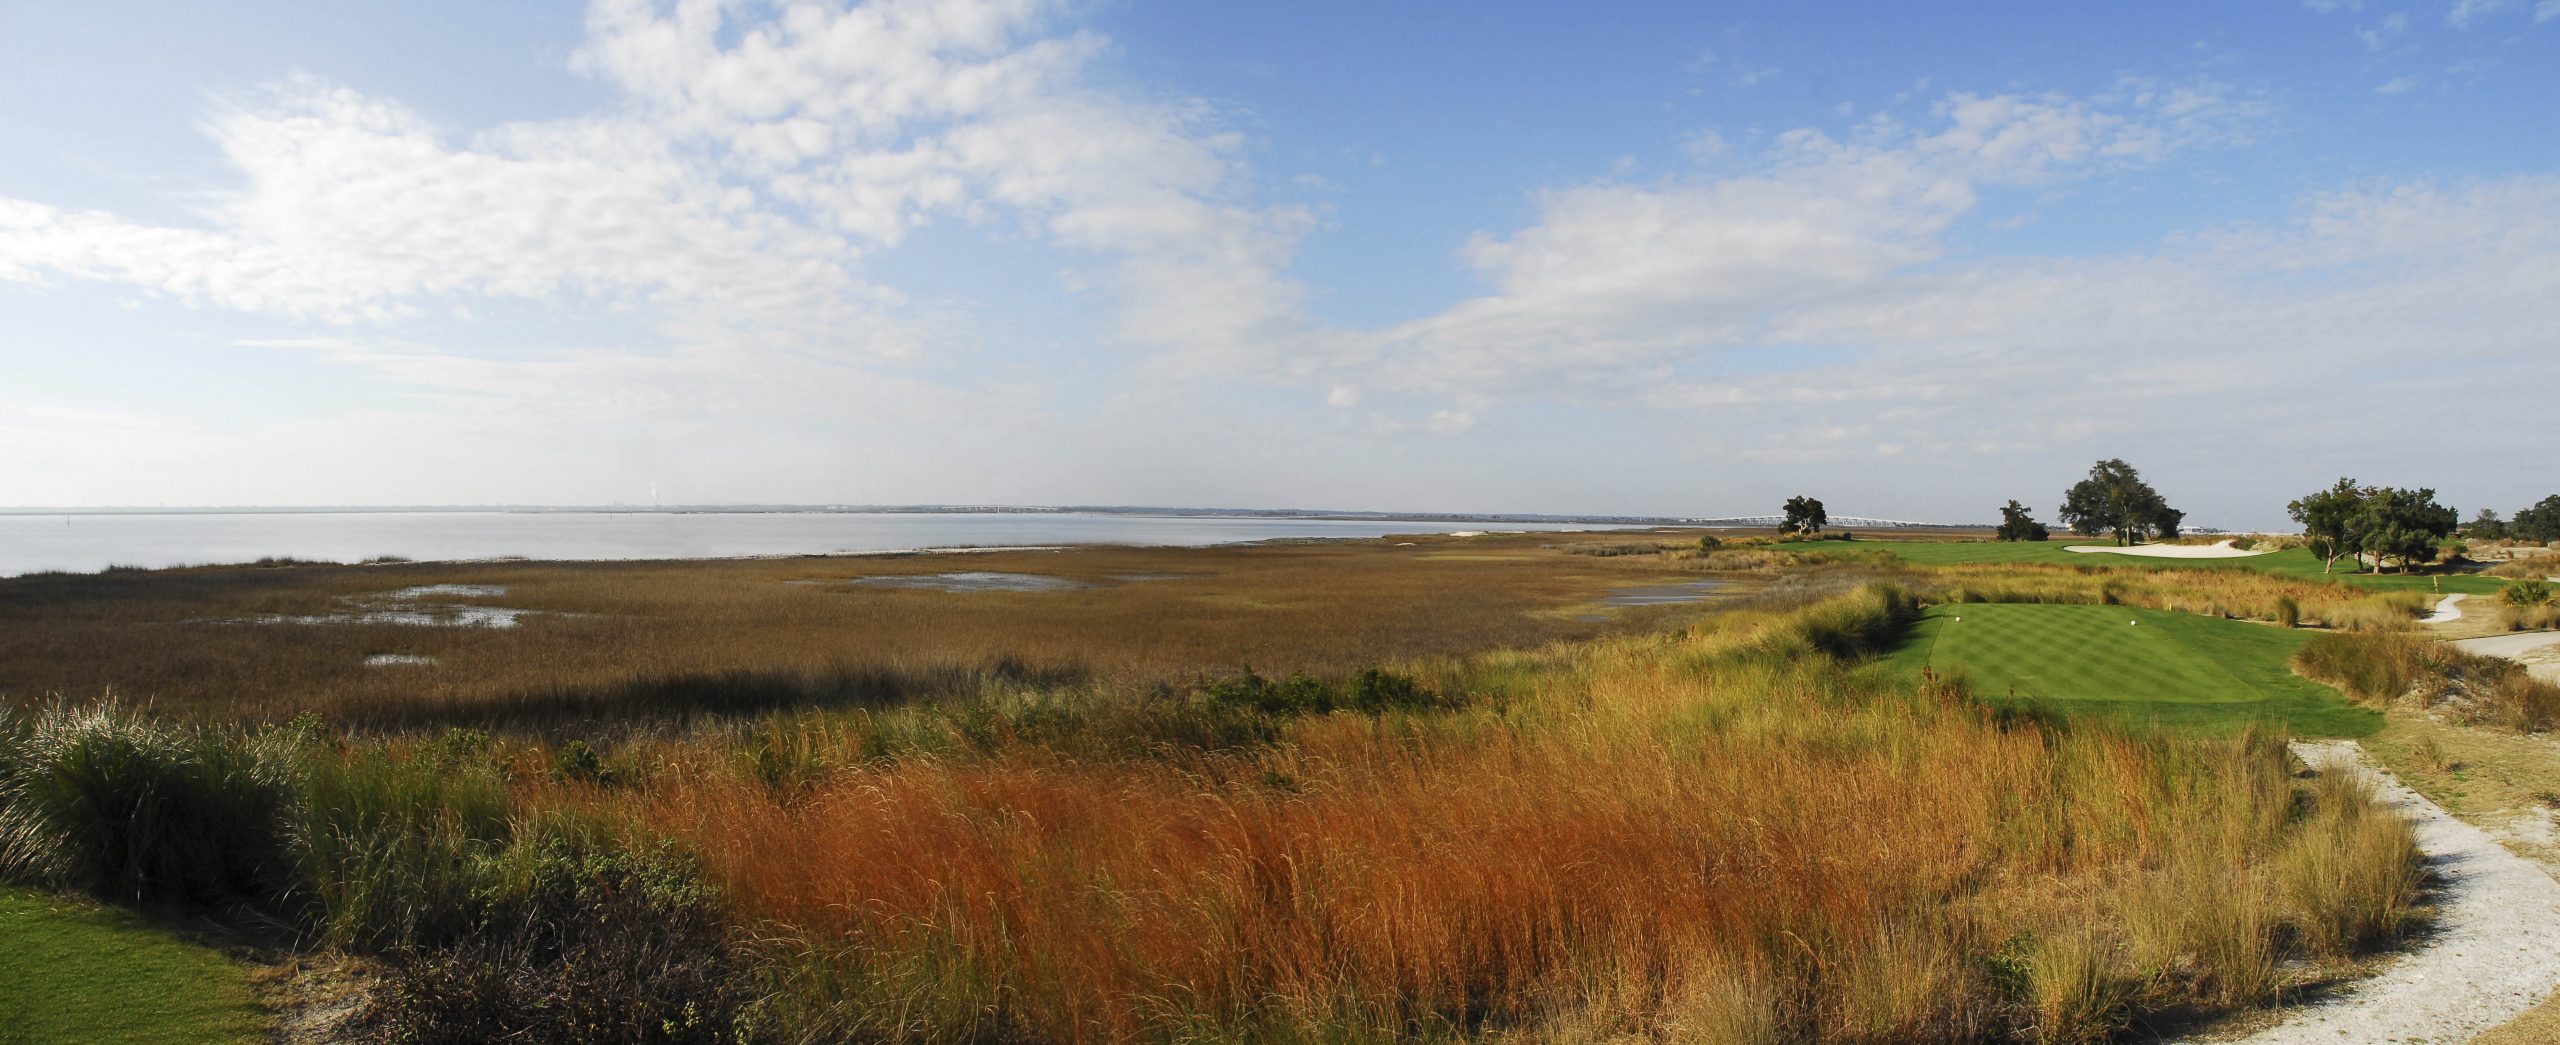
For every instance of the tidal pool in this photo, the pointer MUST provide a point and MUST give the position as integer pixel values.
(977, 580)
(406, 606)
(1662, 594)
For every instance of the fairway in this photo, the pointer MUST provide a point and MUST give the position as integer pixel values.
(2291, 562)
(2130, 664)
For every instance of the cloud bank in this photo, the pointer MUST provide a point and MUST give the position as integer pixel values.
(1818, 298)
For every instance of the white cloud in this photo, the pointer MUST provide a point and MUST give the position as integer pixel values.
(2466, 13)
(1792, 298)
(732, 198)
(2382, 33)
(2397, 85)
(882, 116)
(1617, 280)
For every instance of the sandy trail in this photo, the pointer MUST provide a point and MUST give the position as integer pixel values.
(2538, 651)
(2493, 952)
(2448, 610)
(2217, 550)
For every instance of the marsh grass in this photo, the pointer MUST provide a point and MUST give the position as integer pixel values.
(1741, 829)
(2350, 877)
(2386, 668)
(99, 799)
(622, 642)
(1650, 839)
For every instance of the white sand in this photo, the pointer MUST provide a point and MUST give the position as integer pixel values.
(2217, 550)
(2493, 952)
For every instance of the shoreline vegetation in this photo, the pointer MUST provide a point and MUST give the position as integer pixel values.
(1355, 791)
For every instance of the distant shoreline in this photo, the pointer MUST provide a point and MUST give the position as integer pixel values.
(948, 509)
(825, 509)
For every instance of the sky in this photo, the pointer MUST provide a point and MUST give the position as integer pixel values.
(1676, 259)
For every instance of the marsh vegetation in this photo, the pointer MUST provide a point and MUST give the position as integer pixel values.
(1438, 806)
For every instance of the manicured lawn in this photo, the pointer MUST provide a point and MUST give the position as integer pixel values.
(2177, 669)
(2291, 562)
(72, 971)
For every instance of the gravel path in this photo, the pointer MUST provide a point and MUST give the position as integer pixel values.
(2493, 952)
(2448, 610)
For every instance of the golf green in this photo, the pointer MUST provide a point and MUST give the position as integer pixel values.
(2135, 665)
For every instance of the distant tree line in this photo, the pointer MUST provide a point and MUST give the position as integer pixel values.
(2381, 525)
(2540, 523)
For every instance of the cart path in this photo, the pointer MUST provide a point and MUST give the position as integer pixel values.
(2492, 952)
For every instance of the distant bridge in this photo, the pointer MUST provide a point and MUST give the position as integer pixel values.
(1836, 522)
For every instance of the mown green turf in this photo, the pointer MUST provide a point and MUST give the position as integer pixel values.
(2291, 562)
(75, 972)
(2178, 669)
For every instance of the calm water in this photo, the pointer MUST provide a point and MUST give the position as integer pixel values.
(94, 542)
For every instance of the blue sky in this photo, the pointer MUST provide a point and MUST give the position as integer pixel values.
(1508, 257)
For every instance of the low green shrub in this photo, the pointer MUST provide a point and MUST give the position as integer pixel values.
(1373, 691)
(576, 761)
(2526, 593)
(577, 937)
(1866, 624)
(385, 847)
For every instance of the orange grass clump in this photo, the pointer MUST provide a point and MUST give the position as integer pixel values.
(1754, 841)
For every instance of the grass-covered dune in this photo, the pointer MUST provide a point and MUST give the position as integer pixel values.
(2132, 664)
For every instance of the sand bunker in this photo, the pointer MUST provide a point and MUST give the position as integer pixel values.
(2216, 550)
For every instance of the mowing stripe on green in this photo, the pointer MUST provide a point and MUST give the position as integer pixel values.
(2124, 663)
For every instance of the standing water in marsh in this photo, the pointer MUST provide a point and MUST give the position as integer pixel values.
(88, 542)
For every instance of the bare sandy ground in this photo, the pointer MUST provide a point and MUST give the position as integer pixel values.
(2493, 952)
(2216, 550)
(2538, 651)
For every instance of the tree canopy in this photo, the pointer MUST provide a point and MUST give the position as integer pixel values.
(2380, 523)
(2114, 499)
(2404, 525)
(2329, 520)
(2016, 524)
(2538, 523)
(1805, 516)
